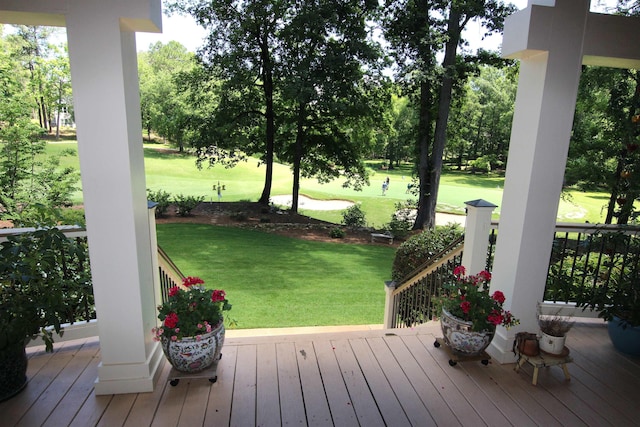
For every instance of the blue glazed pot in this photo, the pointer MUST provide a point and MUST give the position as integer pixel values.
(625, 340)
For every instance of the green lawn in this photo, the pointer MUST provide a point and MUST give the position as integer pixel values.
(276, 281)
(178, 174)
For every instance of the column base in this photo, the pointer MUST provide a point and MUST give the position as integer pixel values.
(501, 347)
(139, 378)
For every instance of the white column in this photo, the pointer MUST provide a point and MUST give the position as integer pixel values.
(543, 117)
(107, 105)
(476, 235)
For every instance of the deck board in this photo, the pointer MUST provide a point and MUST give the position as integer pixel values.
(342, 411)
(219, 407)
(366, 378)
(382, 391)
(267, 391)
(315, 398)
(363, 402)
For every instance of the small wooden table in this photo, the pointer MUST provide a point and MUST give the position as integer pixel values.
(545, 359)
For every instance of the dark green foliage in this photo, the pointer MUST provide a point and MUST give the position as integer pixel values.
(419, 248)
(163, 200)
(239, 216)
(354, 217)
(32, 188)
(604, 276)
(46, 281)
(337, 233)
(185, 204)
(400, 223)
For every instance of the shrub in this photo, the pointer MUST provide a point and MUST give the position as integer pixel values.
(185, 204)
(401, 221)
(72, 216)
(353, 217)
(397, 227)
(163, 200)
(419, 248)
(337, 233)
(239, 216)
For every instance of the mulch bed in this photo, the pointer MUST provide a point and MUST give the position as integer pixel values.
(257, 216)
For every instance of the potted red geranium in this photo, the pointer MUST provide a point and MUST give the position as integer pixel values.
(470, 313)
(192, 329)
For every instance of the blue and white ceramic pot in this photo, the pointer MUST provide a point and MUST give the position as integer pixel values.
(194, 354)
(460, 337)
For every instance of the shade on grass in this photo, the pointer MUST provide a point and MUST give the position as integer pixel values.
(277, 281)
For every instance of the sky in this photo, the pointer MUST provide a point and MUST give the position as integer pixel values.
(184, 30)
(188, 33)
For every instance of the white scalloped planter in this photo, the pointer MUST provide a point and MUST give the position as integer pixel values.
(550, 344)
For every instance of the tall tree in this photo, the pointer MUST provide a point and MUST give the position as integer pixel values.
(414, 34)
(164, 104)
(327, 96)
(241, 52)
(32, 49)
(419, 35)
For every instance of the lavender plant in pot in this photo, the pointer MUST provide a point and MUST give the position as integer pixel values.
(553, 328)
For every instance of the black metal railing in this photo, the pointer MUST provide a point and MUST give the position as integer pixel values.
(412, 301)
(170, 274)
(585, 257)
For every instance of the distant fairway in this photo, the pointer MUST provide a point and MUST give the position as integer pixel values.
(178, 174)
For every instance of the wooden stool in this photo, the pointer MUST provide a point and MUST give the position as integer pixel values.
(545, 359)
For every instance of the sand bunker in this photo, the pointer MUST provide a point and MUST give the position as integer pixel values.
(305, 202)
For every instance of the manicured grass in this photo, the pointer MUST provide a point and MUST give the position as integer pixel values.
(276, 281)
(178, 174)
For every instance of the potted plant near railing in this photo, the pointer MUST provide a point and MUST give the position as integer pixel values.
(615, 292)
(44, 282)
(618, 302)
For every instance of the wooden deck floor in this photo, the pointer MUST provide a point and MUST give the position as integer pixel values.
(366, 378)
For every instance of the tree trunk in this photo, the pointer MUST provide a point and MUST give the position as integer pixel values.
(611, 207)
(297, 159)
(444, 107)
(59, 107)
(424, 137)
(424, 126)
(270, 125)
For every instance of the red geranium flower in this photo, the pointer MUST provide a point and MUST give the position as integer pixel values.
(465, 306)
(190, 281)
(218, 295)
(171, 320)
(498, 296)
(174, 291)
(468, 298)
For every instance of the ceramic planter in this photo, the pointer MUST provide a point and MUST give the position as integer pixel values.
(626, 340)
(552, 345)
(460, 337)
(13, 371)
(194, 354)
